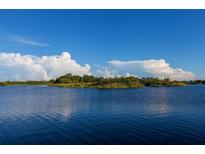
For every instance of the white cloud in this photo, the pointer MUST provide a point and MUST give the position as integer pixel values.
(155, 68)
(106, 72)
(14, 66)
(26, 40)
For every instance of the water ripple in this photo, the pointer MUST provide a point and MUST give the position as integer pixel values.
(42, 115)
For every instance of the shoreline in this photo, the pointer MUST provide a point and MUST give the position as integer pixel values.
(89, 81)
(90, 86)
(80, 87)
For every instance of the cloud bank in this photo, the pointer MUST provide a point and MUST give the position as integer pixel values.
(155, 68)
(17, 67)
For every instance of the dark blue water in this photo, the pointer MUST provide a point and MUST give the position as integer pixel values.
(51, 115)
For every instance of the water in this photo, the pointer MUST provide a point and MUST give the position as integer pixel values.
(51, 115)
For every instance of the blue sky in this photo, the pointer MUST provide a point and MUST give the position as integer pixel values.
(95, 37)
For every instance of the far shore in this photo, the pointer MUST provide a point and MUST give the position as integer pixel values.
(86, 81)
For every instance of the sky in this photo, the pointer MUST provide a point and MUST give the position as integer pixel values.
(44, 44)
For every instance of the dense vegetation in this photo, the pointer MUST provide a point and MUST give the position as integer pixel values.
(85, 81)
(10, 83)
(195, 82)
(89, 81)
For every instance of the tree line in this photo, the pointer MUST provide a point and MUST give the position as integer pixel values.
(90, 81)
(70, 80)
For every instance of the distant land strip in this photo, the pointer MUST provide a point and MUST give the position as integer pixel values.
(89, 81)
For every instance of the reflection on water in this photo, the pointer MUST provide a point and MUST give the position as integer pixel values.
(51, 115)
(21, 102)
(162, 105)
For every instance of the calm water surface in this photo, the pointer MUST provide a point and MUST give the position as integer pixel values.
(51, 115)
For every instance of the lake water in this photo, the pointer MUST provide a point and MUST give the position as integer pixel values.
(51, 115)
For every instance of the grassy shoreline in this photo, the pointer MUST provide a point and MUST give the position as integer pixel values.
(74, 81)
(88, 81)
(87, 86)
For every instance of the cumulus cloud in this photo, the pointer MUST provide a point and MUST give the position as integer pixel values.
(154, 68)
(14, 66)
(106, 72)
